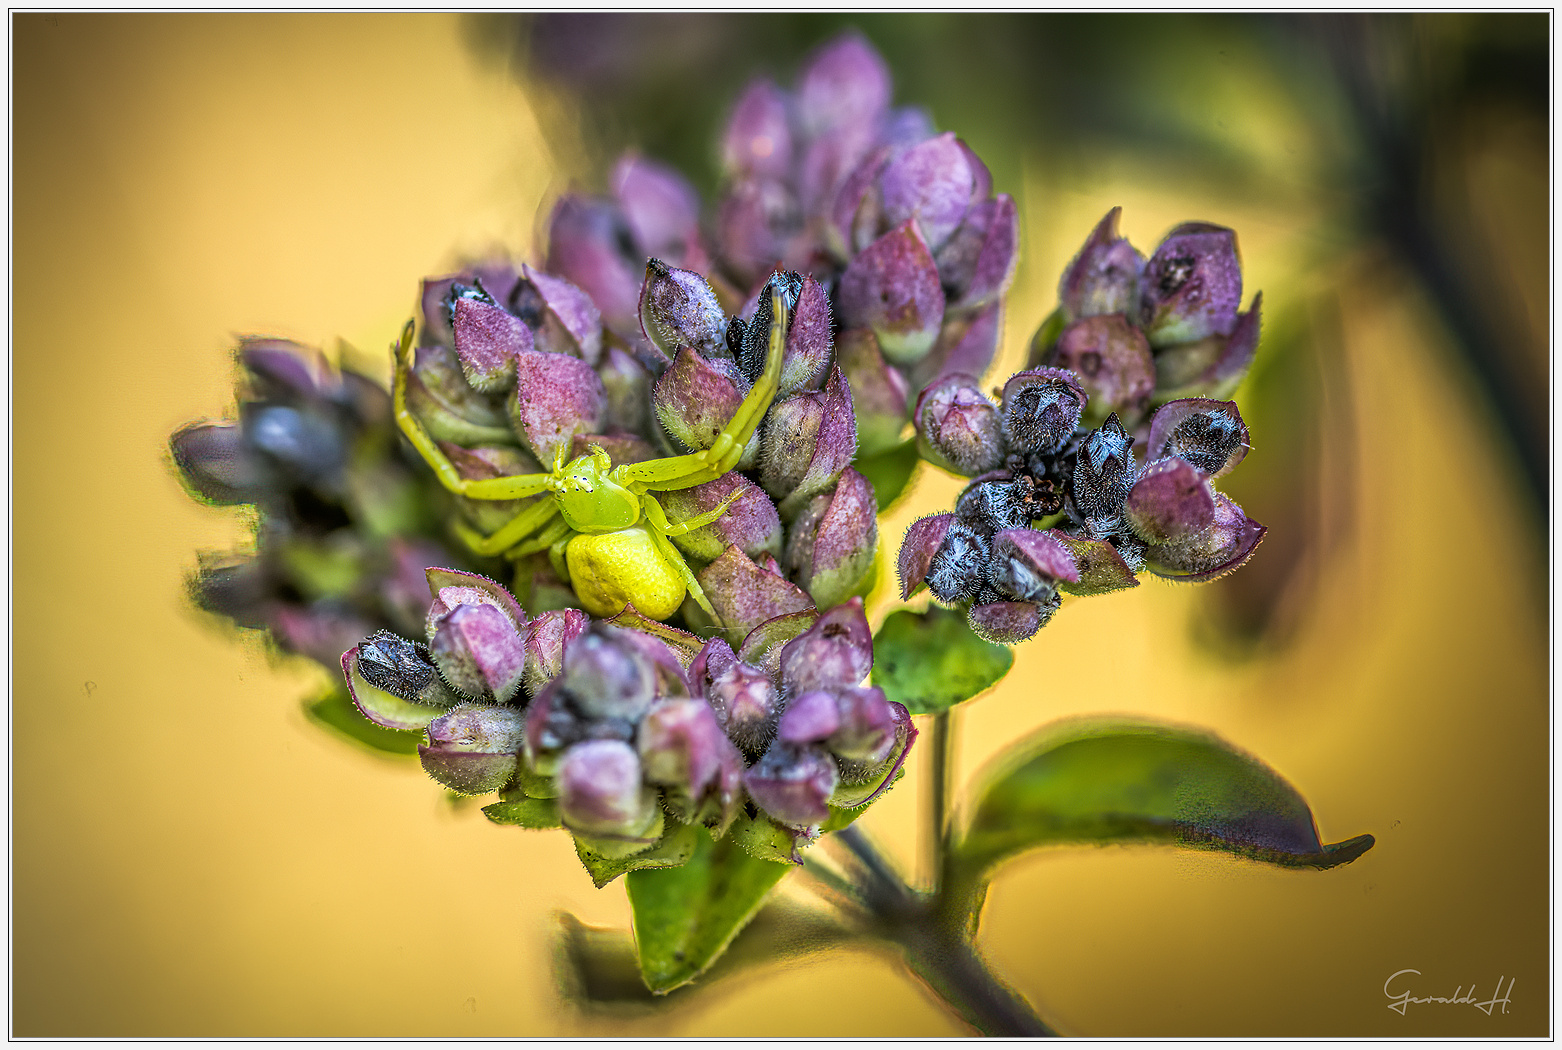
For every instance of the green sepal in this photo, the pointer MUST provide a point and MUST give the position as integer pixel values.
(890, 472)
(335, 711)
(537, 813)
(931, 661)
(685, 917)
(764, 839)
(675, 847)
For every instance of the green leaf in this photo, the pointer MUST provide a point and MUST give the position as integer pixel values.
(675, 847)
(931, 661)
(538, 813)
(685, 917)
(336, 712)
(890, 472)
(1101, 781)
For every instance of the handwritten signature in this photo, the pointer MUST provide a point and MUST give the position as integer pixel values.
(1401, 1000)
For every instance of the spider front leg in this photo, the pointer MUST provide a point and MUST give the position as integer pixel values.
(526, 523)
(516, 486)
(661, 529)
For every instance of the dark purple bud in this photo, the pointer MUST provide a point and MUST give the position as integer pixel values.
(867, 729)
(216, 463)
(793, 784)
(488, 338)
(556, 397)
(678, 308)
(1103, 473)
(1104, 276)
(758, 139)
(1002, 502)
(695, 400)
(601, 793)
(917, 550)
(746, 704)
(565, 318)
(879, 392)
(958, 428)
(1192, 285)
(661, 207)
(750, 339)
(1226, 546)
(1211, 367)
(831, 545)
(473, 749)
(1041, 409)
(683, 749)
(1100, 567)
(810, 718)
(282, 370)
(480, 652)
(713, 660)
(439, 395)
(929, 184)
(1010, 623)
(844, 84)
(744, 595)
(809, 440)
(750, 522)
(1114, 366)
(1171, 502)
(958, 571)
(1028, 565)
(808, 341)
(592, 246)
(837, 651)
(606, 676)
(893, 287)
(297, 444)
(550, 633)
(1208, 434)
(978, 261)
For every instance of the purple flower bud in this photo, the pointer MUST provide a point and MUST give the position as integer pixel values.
(845, 83)
(449, 588)
(746, 704)
(1227, 545)
(683, 749)
(966, 343)
(978, 261)
(1208, 434)
(981, 178)
(1041, 409)
(1009, 623)
(917, 550)
(564, 317)
(1213, 366)
(216, 463)
(960, 566)
(879, 392)
(751, 522)
(1171, 502)
(393, 683)
(436, 321)
(810, 718)
(678, 308)
(606, 676)
(793, 784)
(929, 184)
(439, 395)
(1100, 567)
(762, 646)
(600, 791)
(832, 543)
(627, 386)
(695, 400)
(479, 651)
(893, 287)
(837, 651)
(744, 595)
(751, 222)
(958, 428)
(808, 341)
(1114, 366)
(1027, 565)
(1103, 474)
(862, 782)
(282, 370)
(556, 397)
(661, 207)
(473, 749)
(857, 212)
(550, 633)
(591, 245)
(712, 660)
(867, 728)
(1192, 285)
(809, 440)
(1104, 276)
(758, 139)
(487, 338)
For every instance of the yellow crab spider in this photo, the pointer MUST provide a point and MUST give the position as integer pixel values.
(604, 531)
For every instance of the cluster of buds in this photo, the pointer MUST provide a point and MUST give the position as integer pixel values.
(629, 727)
(1058, 501)
(900, 224)
(345, 521)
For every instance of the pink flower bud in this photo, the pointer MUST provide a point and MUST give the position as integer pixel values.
(844, 83)
(808, 340)
(929, 184)
(1114, 366)
(564, 317)
(1008, 623)
(1104, 276)
(545, 643)
(1171, 502)
(1192, 285)
(752, 223)
(831, 544)
(678, 308)
(893, 287)
(449, 588)
(750, 522)
(606, 676)
(746, 704)
(683, 749)
(809, 440)
(1197, 558)
(758, 139)
(474, 748)
(857, 211)
(867, 729)
(488, 338)
(810, 718)
(978, 261)
(836, 652)
(600, 790)
(793, 784)
(922, 542)
(695, 400)
(879, 392)
(958, 428)
(556, 397)
(661, 207)
(480, 652)
(744, 595)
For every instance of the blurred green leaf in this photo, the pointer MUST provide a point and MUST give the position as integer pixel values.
(1101, 781)
(889, 472)
(685, 917)
(537, 813)
(336, 712)
(931, 661)
(675, 847)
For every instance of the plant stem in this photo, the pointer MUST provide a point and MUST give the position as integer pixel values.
(939, 790)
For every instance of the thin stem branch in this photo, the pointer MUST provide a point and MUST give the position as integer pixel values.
(941, 761)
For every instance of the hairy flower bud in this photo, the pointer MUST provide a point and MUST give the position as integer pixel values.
(1009, 623)
(1114, 366)
(601, 793)
(958, 428)
(678, 308)
(1041, 409)
(747, 706)
(837, 651)
(930, 184)
(474, 748)
(695, 399)
(867, 726)
(1104, 276)
(893, 287)
(480, 652)
(1208, 434)
(809, 440)
(793, 784)
(917, 550)
(606, 677)
(831, 544)
(1226, 545)
(959, 568)
(488, 338)
(1171, 502)
(1027, 565)
(745, 595)
(1192, 285)
(556, 397)
(592, 246)
(546, 641)
(808, 340)
(1103, 474)
(750, 522)
(683, 749)
(564, 318)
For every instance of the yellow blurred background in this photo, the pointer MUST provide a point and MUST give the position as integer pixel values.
(191, 857)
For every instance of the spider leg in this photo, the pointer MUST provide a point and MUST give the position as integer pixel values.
(516, 486)
(528, 521)
(542, 541)
(658, 517)
(682, 472)
(659, 524)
